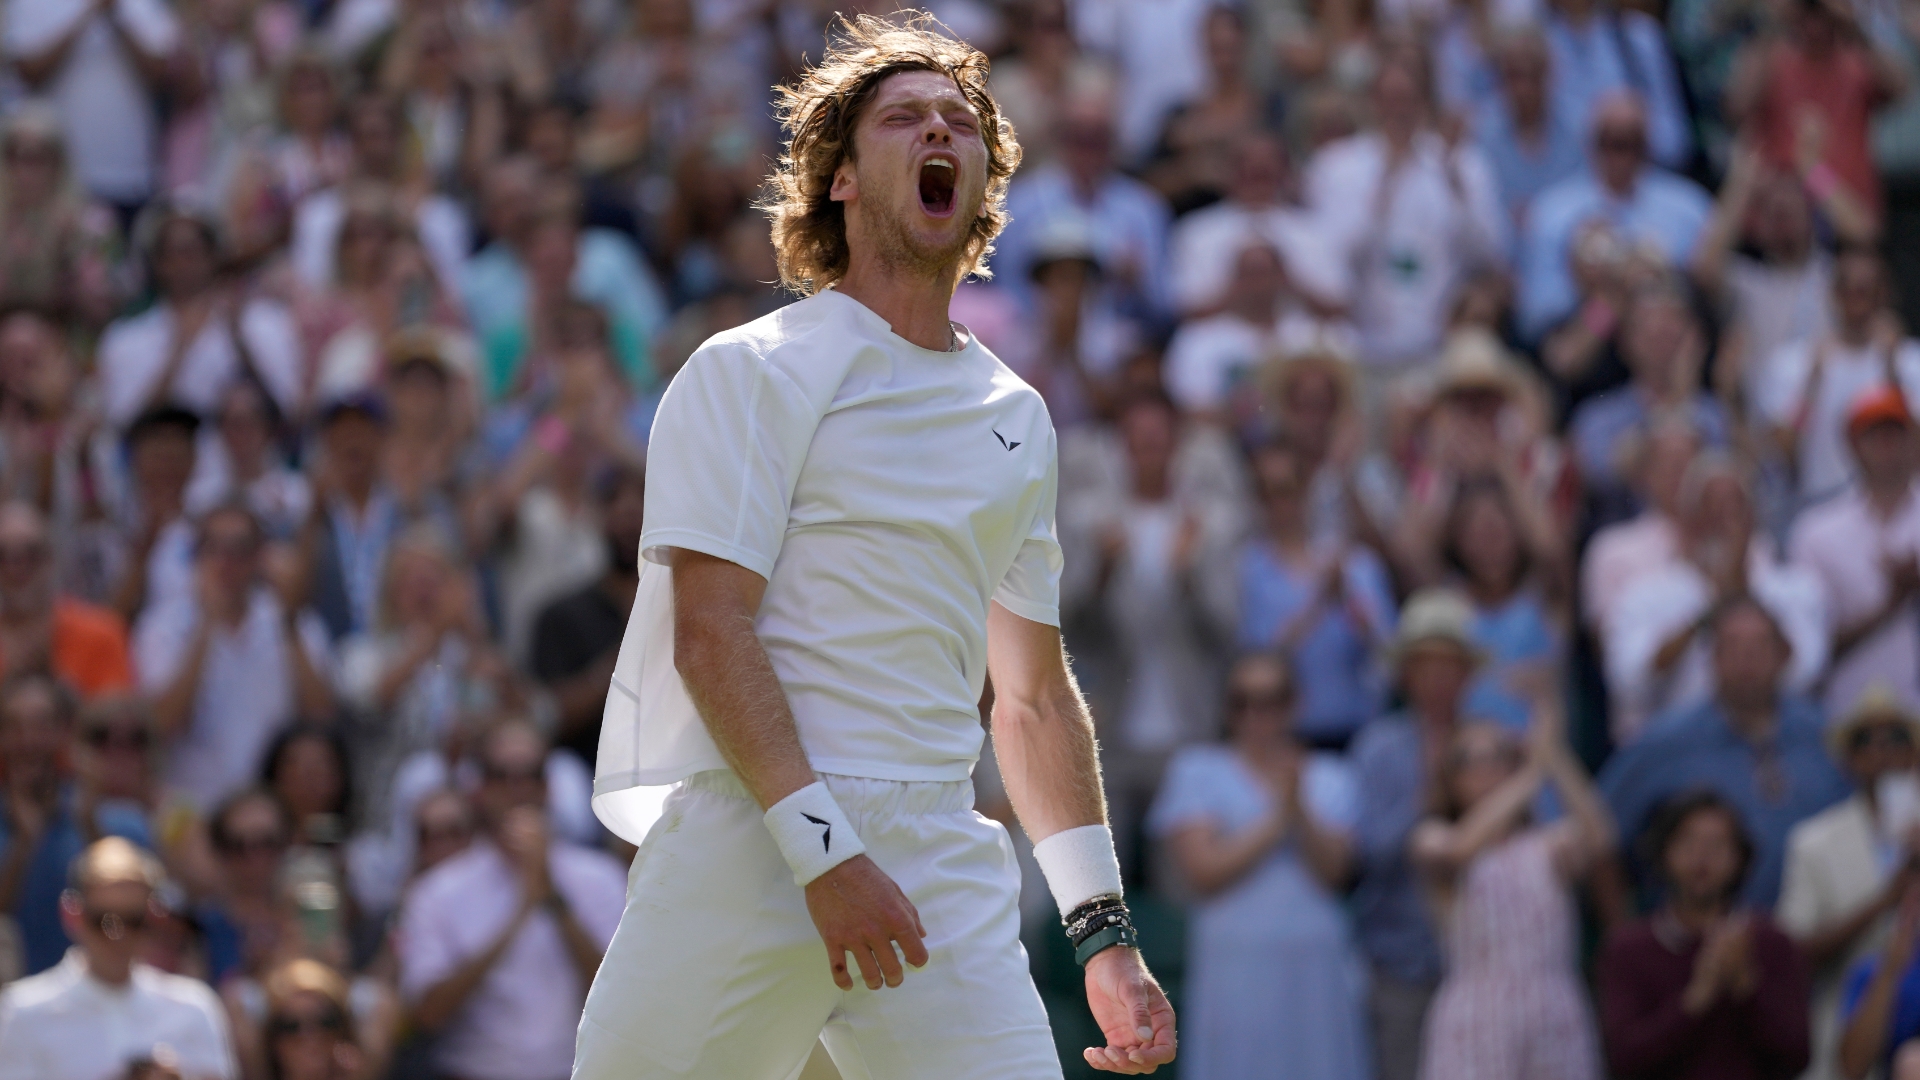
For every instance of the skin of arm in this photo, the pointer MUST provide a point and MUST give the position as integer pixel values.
(1864, 1039)
(856, 907)
(1043, 739)
(1214, 860)
(1593, 835)
(1444, 849)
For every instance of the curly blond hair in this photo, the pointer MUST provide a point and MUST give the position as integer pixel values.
(819, 112)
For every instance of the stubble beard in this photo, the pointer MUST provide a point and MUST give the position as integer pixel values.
(902, 252)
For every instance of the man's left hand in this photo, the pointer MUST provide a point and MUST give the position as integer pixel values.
(1132, 1013)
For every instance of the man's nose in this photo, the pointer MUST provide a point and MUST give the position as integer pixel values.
(938, 132)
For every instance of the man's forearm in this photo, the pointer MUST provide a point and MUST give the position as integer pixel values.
(730, 678)
(1048, 758)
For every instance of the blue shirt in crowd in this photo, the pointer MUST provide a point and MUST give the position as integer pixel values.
(1905, 1023)
(37, 908)
(1601, 424)
(1517, 636)
(1339, 684)
(1775, 787)
(1664, 210)
(1524, 170)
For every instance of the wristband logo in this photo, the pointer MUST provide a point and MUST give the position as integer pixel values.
(826, 838)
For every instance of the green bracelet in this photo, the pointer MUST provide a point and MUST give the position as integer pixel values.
(1122, 934)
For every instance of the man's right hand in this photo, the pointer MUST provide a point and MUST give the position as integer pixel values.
(858, 909)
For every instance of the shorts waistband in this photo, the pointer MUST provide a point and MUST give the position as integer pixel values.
(859, 795)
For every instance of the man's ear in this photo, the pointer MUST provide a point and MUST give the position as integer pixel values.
(846, 186)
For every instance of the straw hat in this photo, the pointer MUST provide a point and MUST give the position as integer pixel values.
(1877, 704)
(1473, 359)
(1435, 617)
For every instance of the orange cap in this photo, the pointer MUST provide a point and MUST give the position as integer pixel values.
(1882, 404)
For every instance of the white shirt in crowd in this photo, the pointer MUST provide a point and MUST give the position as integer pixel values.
(105, 107)
(133, 356)
(1408, 261)
(1825, 463)
(1660, 603)
(521, 1020)
(1156, 45)
(1844, 542)
(1209, 360)
(246, 691)
(1837, 863)
(1618, 555)
(1775, 306)
(439, 222)
(1204, 244)
(64, 1024)
(888, 493)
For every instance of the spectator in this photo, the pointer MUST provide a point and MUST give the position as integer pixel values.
(1529, 140)
(1601, 49)
(52, 451)
(1841, 888)
(307, 770)
(1079, 340)
(1323, 605)
(42, 630)
(497, 944)
(577, 637)
(1161, 57)
(1434, 658)
(355, 515)
(50, 813)
(1210, 361)
(101, 1012)
(247, 919)
(1511, 565)
(516, 287)
(1193, 158)
(1663, 347)
(1511, 1004)
(1585, 233)
(1126, 220)
(1880, 1010)
(1809, 96)
(383, 155)
(1656, 458)
(1807, 387)
(273, 170)
(310, 1032)
(57, 247)
(1047, 69)
(1657, 658)
(1759, 748)
(1704, 987)
(443, 827)
(201, 336)
(102, 67)
(1761, 261)
(1260, 828)
(1259, 207)
(244, 463)
(230, 663)
(1863, 545)
(157, 556)
(1413, 212)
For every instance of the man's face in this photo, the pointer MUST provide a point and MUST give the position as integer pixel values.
(1858, 289)
(1523, 76)
(1879, 747)
(513, 774)
(108, 920)
(26, 559)
(1260, 172)
(918, 175)
(162, 463)
(353, 443)
(32, 733)
(231, 547)
(1620, 148)
(1436, 674)
(1749, 656)
(182, 260)
(1884, 451)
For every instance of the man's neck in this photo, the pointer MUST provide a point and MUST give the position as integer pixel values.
(1530, 124)
(1855, 334)
(116, 974)
(1753, 721)
(914, 305)
(1889, 497)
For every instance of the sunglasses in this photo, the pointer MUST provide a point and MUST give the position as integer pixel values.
(1239, 702)
(330, 1022)
(115, 739)
(1881, 736)
(438, 833)
(1620, 144)
(240, 846)
(524, 775)
(116, 925)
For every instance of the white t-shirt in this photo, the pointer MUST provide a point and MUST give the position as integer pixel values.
(1846, 544)
(105, 108)
(1826, 463)
(887, 493)
(1211, 359)
(1204, 245)
(133, 353)
(64, 1024)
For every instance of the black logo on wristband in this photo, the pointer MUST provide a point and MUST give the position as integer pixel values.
(826, 838)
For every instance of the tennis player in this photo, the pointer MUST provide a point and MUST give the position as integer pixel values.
(849, 529)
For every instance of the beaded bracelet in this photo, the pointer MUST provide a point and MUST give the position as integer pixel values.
(1097, 925)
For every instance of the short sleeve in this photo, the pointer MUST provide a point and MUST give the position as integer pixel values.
(727, 447)
(1031, 586)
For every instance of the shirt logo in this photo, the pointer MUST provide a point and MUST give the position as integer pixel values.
(1003, 440)
(826, 838)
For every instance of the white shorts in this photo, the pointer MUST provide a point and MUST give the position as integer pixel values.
(717, 972)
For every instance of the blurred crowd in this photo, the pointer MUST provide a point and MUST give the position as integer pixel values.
(1488, 468)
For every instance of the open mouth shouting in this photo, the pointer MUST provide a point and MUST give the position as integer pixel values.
(937, 178)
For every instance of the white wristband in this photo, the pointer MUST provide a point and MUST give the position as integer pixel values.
(1079, 865)
(813, 832)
